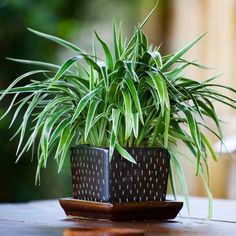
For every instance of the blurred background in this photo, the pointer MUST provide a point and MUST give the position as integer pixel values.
(175, 23)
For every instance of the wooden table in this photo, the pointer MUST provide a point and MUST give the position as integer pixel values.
(47, 218)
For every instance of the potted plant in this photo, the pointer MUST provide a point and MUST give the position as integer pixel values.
(120, 118)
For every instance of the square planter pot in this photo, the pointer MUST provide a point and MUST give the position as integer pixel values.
(96, 179)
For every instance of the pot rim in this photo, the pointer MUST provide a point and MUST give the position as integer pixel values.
(107, 148)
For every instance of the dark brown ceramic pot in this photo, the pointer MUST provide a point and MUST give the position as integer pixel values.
(94, 178)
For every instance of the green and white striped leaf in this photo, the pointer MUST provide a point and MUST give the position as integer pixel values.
(58, 40)
(128, 114)
(125, 154)
(180, 53)
(82, 103)
(90, 116)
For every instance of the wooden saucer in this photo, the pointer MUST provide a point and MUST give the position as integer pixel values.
(125, 211)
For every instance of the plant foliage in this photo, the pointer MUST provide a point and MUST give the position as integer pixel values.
(134, 97)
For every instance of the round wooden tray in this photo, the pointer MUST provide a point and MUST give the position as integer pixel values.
(125, 211)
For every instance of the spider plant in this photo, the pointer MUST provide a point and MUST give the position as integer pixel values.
(134, 97)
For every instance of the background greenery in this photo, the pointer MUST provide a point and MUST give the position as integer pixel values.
(74, 21)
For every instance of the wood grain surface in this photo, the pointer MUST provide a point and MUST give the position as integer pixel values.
(48, 218)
